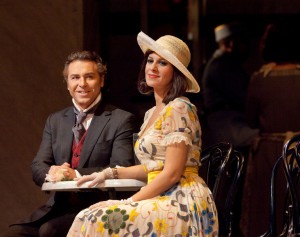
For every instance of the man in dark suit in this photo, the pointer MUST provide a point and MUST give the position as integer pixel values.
(72, 148)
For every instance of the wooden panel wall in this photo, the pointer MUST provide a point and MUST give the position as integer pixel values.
(35, 38)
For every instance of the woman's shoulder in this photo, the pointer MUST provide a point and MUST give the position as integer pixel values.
(182, 101)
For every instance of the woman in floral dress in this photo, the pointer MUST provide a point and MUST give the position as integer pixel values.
(176, 201)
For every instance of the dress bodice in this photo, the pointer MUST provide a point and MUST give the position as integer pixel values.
(177, 122)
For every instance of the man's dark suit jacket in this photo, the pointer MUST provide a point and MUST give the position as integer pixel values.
(108, 143)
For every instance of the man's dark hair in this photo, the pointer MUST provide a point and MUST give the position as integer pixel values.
(85, 56)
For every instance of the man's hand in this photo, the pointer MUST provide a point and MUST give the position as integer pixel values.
(69, 173)
(60, 173)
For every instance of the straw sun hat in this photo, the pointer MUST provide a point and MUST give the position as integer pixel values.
(173, 50)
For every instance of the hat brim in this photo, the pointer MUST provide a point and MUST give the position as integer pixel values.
(147, 43)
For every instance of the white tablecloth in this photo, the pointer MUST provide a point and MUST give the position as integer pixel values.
(117, 184)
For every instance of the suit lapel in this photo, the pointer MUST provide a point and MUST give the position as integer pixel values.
(68, 122)
(101, 117)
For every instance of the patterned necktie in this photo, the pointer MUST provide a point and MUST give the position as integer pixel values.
(78, 128)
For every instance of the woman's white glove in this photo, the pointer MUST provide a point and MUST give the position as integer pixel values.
(96, 177)
(110, 203)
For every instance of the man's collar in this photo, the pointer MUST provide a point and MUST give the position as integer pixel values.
(96, 101)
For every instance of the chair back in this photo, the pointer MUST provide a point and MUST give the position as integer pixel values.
(288, 164)
(291, 160)
(222, 166)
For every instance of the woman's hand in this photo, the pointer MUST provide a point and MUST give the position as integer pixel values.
(105, 204)
(111, 203)
(96, 178)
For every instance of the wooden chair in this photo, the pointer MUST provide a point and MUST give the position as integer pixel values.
(289, 164)
(222, 167)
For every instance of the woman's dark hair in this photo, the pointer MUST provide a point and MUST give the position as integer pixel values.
(178, 86)
(280, 42)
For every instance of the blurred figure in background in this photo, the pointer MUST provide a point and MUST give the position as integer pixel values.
(225, 84)
(273, 108)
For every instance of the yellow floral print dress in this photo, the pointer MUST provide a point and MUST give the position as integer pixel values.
(186, 209)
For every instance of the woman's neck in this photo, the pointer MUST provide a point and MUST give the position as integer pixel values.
(158, 100)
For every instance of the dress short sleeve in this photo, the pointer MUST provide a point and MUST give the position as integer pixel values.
(179, 122)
